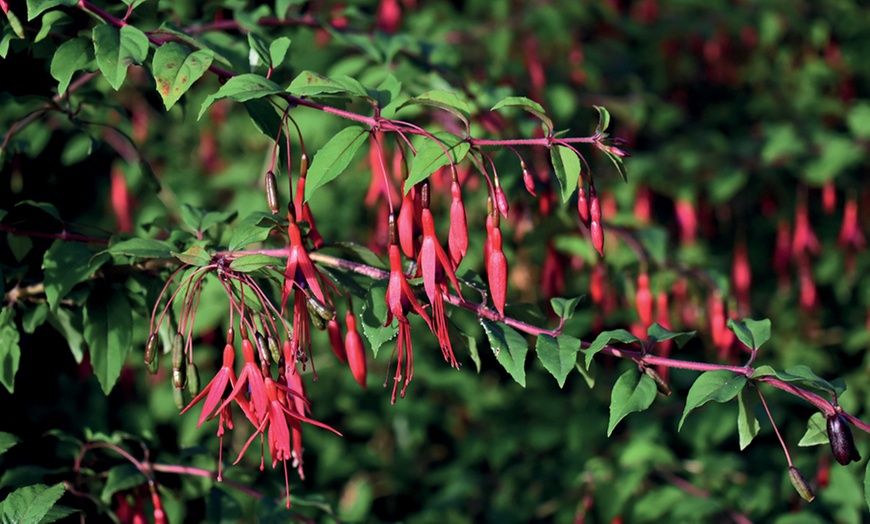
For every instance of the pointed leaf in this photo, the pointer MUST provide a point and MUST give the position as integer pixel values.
(566, 165)
(242, 88)
(309, 83)
(606, 337)
(195, 256)
(431, 156)
(603, 119)
(747, 424)
(66, 264)
(71, 56)
(253, 262)
(10, 352)
(30, 503)
(804, 376)
(657, 333)
(7, 440)
(587, 374)
(564, 307)
(720, 385)
(108, 332)
(509, 347)
(120, 478)
(116, 49)
(334, 157)
(558, 355)
(69, 323)
(253, 228)
(527, 105)
(175, 70)
(618, 164)
(34, 7)
(259, 46)
(632, 393)
(374, 313)
(142, 248)
(817, 431)
(752, 333)
(442, 100)
(278, 51)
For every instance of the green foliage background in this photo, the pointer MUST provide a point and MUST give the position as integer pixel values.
(739, 107)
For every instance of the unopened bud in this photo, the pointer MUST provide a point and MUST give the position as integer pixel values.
(842, 443)
(800, 484)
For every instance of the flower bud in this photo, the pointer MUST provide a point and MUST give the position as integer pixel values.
(274, 350)
(842, 443)
(179, 378)
(178, 351)
(800, 484)
(178, 397)
(193, 379)
(661, 384)
(272, 192)
(151, 349)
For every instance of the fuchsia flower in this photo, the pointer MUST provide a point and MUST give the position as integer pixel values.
(435, 265)
(409, 223)
(457, 242)
(400, 299)
(356, 355)
(252, 377)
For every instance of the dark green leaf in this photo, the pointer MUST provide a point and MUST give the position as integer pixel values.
(657, 333)
(249, 263)
(195, 256)
(69, 323)
(175, 70)
(116, 49)
(7, 440)
(34, 7)
(242, 88)
(752, 333)
(802, 375)
(51, 19)
(527, 105)
(606, 337)
(264, 116)
(19, 245)
(30, 504)
(433, 154)
(747, 424)
(509, 347)
(253, 228)
(73, 55)
(603, 119)
(720, 385)
(618, 164)
(108, 332)
(374, 313)
(333, 158)
(261, 48)
(817, 431)
(564, 307)
(65, 265)
(10, 352)
(632, 393)
(588, 374)
(142, 248)
(34, 317)
(558, 355)
(566, 165)
(42, 206)
(442, 100)
(121, 478)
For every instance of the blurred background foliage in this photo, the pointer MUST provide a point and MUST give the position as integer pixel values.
(742, 112)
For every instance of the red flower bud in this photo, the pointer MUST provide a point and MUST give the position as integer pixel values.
(457, 243)
(501, 201)
(583, 206)
(595, 228)
(497, 270)
(335, 340)
(829, 197)
(356, 355)
(409, 224)
(687, 220)
(643, 300)
(529, 182)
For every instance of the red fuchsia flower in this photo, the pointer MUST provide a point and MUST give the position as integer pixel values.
(807, 283)
(804, 240)
(595, 228)
(501, 201)
(252, 377)
(400, 300)
(335, 340)
(356, 355)
(303, 210)
(582, 206)
(528, 180)
(409, 223)
(850, 231)
(553, 273)
(782, 253)
(687, 220)
(597, 284)
(457, 243)
(829, 197)
(643, 300)
(496, 266)
(741, 275)
(435, 266)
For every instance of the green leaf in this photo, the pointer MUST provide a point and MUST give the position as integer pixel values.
(564, 307)
(509, 347)
(10, 352)
(278, 51)
(817, 431)
(258, 45)
(804, 376)
(603, 119)
(121, 478)
(249, 263)
(434, 154)
(242, 88)
(720, 385)
(195, 256)
(34, 7)
(867, 484)
(72, 56)
(632, 393)
(657, 333)
(618, 164)
(51, 19)
(45, 207)
(34, 317)
(108, 332)
(69, 323)
(566, 165)
(752, 333)
(442, 100)
(587, 374)
(30, 504)
(309, 83)
(374, 312)
(333, 158)
(606, 337)
(7, 440)
(858, 120)
(142, 248)
(359, 251)
(558, 355)
(175, 70)
(253, 228)
(527, 105)
(66, 264)
(116, 49)
(747, 424)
